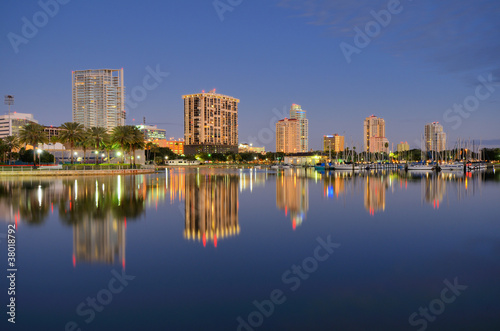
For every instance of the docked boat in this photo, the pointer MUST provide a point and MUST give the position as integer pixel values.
(280, 166)
(348, 166)
(420, 167)
(455, 166)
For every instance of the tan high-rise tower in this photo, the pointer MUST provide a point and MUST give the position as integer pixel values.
(435, 138)
(210, 123)
(374, 135)
(287, 136)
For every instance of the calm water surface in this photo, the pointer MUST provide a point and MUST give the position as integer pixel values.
(200, 249)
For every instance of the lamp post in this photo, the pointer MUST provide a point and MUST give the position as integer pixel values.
(39, 151)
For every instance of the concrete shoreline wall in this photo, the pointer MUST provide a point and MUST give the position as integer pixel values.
(77, 172)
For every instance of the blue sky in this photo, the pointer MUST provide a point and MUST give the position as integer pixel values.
(421, 60)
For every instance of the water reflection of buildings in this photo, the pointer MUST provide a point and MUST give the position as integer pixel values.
(211, 207)
(434, 189)
(292, 195)
(375, 188)
(100, 241)
(98, 209)
(334, 184)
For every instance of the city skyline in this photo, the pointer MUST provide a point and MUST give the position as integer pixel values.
(461, 92)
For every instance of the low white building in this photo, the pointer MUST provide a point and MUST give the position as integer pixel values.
(10, 124)
(181, 162)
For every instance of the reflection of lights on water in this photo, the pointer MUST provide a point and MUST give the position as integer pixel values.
(39, 193)
(76, 189)
(96, 193)
(119, 188)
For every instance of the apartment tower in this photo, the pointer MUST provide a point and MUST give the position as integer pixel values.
(333, 143)
(210, 123)
(296, 112)
(435, 138)
(374, 135)
(98, 98)
(287, 136)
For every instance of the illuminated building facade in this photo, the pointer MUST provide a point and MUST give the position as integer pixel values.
(98, 98)
(246, 148)
(297, 113)
(333, 142)
(151, 132)
(435, 138)
(176, 146)
(51, 131)
(374, 135)
(210, 123)
(287, 136)
(10, 125)
(403, 147)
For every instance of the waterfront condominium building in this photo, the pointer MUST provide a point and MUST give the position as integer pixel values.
(287, 136)
(10, 124)
(296, 112)
(98, 98)
(210, 123)
(334, 143)
(435, 138)
(374, 135)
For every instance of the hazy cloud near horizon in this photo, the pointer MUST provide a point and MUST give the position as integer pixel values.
(456, 37)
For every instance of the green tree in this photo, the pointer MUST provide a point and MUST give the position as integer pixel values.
(72, 133)
(123, 136)
(98, 137)
(33, 134)
(84, 143)
(3, 149)
(11, 142)
(137, 141)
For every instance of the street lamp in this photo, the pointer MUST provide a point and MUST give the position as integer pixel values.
(38, 151)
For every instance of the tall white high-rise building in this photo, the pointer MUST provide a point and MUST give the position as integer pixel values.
(435, 138)
(98, 98)
(296, 112)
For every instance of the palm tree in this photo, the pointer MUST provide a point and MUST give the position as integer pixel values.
(137, 141)
(3, 149)
(155, 150)
(148, 147)
(33, 134)
(11, 142)
(85, 143)
(98, 137)
(109, 145)
(123, 136)
(71, 132)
